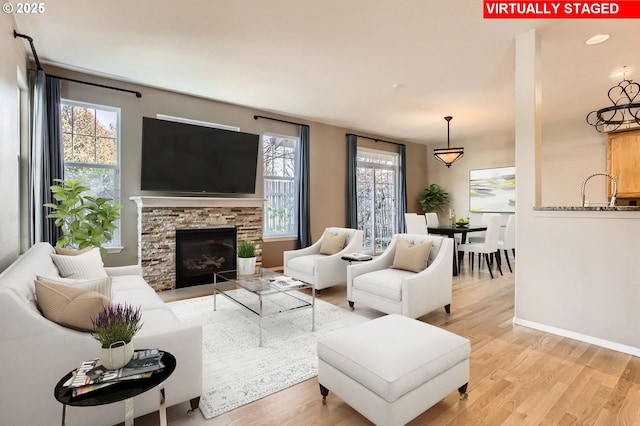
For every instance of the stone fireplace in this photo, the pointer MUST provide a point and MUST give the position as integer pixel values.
(161, 218)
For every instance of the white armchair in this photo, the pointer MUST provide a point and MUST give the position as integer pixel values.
(396, 291)
(322, 270)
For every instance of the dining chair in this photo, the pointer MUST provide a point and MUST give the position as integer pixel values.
(416, 223)
(479, 237)
(432, 219)
(508, 241)
(488, 248)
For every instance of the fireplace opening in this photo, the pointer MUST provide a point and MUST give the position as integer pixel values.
(202, 252)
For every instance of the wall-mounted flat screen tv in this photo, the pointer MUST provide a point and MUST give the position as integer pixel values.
(180, 157)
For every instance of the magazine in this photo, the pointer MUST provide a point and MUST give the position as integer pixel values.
(92, 372)
(285, 282)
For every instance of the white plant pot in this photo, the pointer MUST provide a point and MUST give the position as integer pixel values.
(117, 356)
(246, 265)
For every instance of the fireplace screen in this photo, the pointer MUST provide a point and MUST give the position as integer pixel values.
(202, 252)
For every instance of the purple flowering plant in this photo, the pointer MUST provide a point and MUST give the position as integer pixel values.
(116, 323)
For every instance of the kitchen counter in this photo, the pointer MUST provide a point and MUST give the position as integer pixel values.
(587, 209)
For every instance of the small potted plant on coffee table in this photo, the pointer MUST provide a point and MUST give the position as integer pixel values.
(114, 327)
(246, 261)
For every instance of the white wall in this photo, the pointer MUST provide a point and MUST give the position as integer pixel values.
(12, 62)
(484, 151)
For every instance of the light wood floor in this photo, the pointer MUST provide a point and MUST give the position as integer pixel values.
(518, 375)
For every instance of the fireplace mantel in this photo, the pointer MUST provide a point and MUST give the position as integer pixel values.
(159, 201)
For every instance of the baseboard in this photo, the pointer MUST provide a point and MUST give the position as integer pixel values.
(578, 336)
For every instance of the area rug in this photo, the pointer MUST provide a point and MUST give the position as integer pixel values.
(235, 370)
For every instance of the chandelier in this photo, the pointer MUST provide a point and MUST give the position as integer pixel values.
(623, 111)
(448, 155)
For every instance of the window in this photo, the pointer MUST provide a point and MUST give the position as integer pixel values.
(377, 189)
(91, 135)
(281, 171)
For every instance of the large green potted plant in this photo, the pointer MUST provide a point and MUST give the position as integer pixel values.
(246, 261)
(85, 221)
(433, 198)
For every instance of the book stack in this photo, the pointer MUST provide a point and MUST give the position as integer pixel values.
(91, 375)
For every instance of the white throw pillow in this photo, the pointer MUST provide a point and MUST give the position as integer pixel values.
(86, 266)
(101, 285)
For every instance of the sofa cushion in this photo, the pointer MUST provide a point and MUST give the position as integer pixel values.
(65, 251)
(305, 264)
(101, 285)
(69, 306)
(134, 290)
(83, 266)
(332, 242)
(386, 283)
(392, 355)
(411, 256)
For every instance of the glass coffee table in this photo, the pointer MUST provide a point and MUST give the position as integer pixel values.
(265, 293)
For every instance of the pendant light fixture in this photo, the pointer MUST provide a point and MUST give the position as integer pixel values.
(623, 111)
(448, 155)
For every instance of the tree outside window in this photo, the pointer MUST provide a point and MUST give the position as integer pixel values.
(377, 188)
(91, 136)
(280, 185)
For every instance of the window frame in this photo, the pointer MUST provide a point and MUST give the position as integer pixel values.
(115, 245)
(266, 235)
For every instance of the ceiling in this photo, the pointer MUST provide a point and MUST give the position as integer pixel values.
(393, 68)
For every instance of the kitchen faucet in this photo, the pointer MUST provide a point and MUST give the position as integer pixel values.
(612, 203)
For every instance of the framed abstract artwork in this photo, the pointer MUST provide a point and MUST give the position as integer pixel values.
(492, 190)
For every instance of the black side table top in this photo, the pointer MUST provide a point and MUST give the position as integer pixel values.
(356, 257)
(120, 391)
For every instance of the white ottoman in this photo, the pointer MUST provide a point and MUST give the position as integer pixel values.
(393, 368)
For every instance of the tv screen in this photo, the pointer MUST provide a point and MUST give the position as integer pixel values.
(189, 158)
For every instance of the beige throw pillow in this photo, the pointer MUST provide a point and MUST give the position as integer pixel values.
(69, 306)
(411, 257)
(64, 251)
(332, 242)
(101, 285)
(86, 266)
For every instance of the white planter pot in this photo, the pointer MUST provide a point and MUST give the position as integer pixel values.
(246, 265)
(117, 356)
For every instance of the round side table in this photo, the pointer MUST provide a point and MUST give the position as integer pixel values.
(123, 390)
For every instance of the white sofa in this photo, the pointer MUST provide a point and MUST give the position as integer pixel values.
(322, 270)
(36, 353)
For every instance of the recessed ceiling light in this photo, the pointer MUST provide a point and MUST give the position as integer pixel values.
(398, 86)
(597, 39)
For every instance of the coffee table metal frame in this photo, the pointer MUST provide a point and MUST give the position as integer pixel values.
(261, 284)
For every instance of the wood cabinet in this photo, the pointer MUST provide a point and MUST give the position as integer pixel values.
(623, 162)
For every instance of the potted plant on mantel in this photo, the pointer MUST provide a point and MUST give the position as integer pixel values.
(114, 328)
(433, 198)
(85, 221)
(246, 260)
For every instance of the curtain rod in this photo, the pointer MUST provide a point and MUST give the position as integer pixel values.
(255, 117)
(374, 139)
(104, 86)
(35, 56)
(33, 48)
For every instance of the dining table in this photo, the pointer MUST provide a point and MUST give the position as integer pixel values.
(451, 231)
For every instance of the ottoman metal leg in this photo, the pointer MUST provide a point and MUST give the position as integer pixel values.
(324, 392)
(463, 391)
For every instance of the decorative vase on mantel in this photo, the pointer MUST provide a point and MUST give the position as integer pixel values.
(117, 355)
